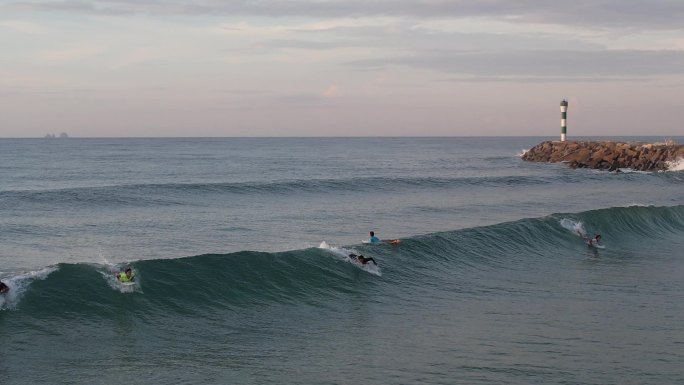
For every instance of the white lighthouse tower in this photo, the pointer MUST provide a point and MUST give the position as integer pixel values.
(564, 116)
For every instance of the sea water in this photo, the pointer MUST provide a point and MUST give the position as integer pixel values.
(239, 246)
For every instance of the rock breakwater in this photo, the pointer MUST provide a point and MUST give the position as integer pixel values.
(608, 155)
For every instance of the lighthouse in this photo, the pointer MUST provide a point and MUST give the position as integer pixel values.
(564, 112)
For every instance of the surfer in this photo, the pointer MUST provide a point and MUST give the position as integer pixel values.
(594, 241)
(3, 287)
(590, 242)
(126, 276)
(362, 259)
(375, 240)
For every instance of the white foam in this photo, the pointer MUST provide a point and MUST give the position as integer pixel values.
(634, 204)
(339, 251)
(522, 153)
(19, 283)
(676, 165)
(576, 227)
(343, 254)
(632, 171)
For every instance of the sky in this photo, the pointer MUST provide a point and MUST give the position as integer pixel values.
(210, 68)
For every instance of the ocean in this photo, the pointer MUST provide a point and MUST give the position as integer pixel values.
(239, 246)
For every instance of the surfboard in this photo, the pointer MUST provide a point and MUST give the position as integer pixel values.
(129, 283)
(391, 242)
(595, 245)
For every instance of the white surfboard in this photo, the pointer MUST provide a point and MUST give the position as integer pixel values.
(596, 245)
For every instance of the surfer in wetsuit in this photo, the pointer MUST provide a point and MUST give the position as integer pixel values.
(126, 276)
(362, 259)
(3, 287)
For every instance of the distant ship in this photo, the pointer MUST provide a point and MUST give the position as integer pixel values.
(53, 136)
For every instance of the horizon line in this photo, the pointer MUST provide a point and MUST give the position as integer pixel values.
(328, 137)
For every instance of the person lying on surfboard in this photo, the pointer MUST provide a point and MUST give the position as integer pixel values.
(362, 259)
(590, 242)
(126, 276)
(594, 241)
(375, 240)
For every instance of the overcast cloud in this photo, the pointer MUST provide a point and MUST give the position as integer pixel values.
(652, 14)
(330, 68)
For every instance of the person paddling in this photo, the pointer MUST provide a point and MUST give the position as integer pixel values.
(594, 241)
(590, 242)
(362, 259)
(375, 240)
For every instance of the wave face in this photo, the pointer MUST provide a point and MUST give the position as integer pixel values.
(320, 274)
(508, 296)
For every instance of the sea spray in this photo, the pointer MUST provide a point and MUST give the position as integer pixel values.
(575, 226)
(343, 254)
(19, 283)
(676, 165)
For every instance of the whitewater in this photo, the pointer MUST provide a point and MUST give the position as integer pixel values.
(240, 249)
